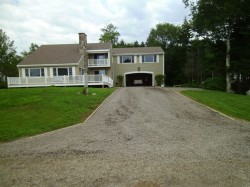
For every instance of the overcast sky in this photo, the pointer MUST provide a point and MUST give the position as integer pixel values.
(60, 21)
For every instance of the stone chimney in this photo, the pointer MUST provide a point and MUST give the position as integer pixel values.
(82, 43)
(83, 48)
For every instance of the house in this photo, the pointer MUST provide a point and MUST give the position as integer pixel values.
(65, 64)
(138, 65)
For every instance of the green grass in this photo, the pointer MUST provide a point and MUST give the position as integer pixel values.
(30, 111)
(233, 105)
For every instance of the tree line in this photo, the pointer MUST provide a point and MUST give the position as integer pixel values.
(209, 50)
(9, 59)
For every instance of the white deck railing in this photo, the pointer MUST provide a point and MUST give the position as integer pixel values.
(59, 81)
(98, 62)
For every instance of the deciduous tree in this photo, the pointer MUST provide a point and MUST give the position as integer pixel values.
(109, 34)
(8, 58)
(32, 48)
(217, 20)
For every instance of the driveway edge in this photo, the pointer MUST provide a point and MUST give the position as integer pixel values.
(71, 126)
(98, 107)
(206, 106)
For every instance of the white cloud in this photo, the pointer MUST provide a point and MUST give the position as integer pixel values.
(59, 21)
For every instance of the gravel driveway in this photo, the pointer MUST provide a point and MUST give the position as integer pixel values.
(138, 137)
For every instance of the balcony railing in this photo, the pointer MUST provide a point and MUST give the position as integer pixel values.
(99, 63)
(59, 81)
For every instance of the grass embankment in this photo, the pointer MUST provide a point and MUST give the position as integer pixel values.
(25, 112)
(234, 105)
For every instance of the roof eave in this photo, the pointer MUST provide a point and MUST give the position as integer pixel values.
(97, 50)
(156, 53)
(46, 65)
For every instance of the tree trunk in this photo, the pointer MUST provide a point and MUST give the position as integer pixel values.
(228, 82)
(85, 90)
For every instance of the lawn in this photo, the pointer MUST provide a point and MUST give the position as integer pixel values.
(29, 111)
(233, 105)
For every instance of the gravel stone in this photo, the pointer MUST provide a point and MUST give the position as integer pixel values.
(141, 136)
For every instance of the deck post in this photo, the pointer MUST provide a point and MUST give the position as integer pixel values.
(8, 81)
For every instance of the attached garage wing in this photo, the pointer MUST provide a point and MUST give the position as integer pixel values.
(139, 79)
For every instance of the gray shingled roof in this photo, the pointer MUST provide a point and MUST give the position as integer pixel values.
(69, 53)
(60, 54)
(54, 54)
(98, 46)
(138, 50)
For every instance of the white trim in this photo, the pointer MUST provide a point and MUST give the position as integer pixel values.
(40, 68)
(109, 56)
(59, 81)
(23, 72)
(51, 73)
(140, 59)
(132, 59)
(73, 71)
(118, 59)
(136, 72)
(122, 54)
(135, 59)
(163, 73)
(149, 62)
(19, 72)
(47, 65)
(45, 72)
(64, 68)
(98, 50)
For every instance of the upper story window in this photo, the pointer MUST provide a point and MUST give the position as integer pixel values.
(126, 59)
(62, 71)
(99, 56)
(149, 58)
(34, 72)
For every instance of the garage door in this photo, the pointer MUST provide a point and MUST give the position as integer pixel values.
(139, 79)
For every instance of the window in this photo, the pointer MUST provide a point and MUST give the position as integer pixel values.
(148, 58)
(27, 72)
(99, 59)
(70, 71)
(62, 71)
(99, 56)
(99, 72)
(42, 72)
(34, 72)
(54, 72)
(127, 59)
(102, 72)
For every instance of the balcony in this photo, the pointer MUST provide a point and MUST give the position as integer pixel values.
(78, 80)
(98, 63)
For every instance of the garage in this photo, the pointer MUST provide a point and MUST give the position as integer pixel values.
(139, 79)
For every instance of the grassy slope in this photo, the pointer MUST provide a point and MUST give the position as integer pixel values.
(231, 104)
(26, 112)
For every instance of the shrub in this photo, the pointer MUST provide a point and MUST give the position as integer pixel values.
(119, 79)
(217, 83)
(3, 84)
(159, 80)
